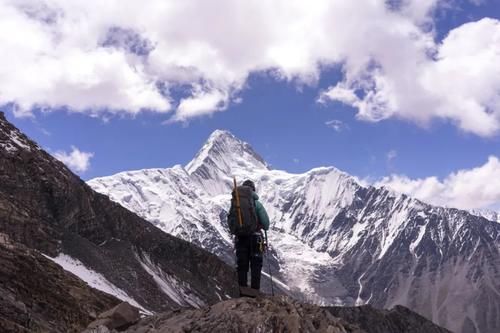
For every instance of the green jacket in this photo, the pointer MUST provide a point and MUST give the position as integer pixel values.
(261, 213)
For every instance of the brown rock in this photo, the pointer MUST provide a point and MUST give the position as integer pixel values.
(120, 317)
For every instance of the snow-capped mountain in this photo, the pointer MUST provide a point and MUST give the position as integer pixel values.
(333, 240)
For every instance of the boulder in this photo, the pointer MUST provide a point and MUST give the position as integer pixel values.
(120, 317)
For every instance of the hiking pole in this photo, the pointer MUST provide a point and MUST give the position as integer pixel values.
(269, 265)
(240, 220)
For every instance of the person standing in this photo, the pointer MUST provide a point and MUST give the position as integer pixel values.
(247, 218)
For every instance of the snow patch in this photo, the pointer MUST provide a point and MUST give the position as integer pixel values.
(93, 279)
(421, 233)
(277, 281)
(18, 141)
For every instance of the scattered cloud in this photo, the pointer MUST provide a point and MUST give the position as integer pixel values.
(76, 160)
(121, 57)
(465, 189)
(296, 160)
(337, 125)
(391, 155)
(45, 132)
(201, 103)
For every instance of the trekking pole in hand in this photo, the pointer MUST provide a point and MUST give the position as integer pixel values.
(269, 264)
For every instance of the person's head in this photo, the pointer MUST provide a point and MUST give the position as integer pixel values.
(250, 184)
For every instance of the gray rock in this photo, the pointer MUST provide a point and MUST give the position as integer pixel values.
(121, 316)
(98, 329)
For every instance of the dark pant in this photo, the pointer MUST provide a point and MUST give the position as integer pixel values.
(249, 251)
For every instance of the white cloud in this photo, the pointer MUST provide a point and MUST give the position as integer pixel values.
(456, 80)
(76, 160)
(466, 189)
(127, 56)
(339, 93)
(201, 102)
(337, 125)
(296, 160)
(391, 155)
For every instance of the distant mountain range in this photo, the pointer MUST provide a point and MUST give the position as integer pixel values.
(333, 241)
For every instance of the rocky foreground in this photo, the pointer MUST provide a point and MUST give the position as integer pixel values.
(274, 314)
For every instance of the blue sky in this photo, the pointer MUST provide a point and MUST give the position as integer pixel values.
(277, 110)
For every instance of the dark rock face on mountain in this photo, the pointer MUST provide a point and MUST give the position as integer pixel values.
(442, 263)
(397, 320)
(37, 295)
(44, 206)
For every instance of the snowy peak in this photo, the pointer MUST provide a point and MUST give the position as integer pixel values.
(222, 157)
(226, 152)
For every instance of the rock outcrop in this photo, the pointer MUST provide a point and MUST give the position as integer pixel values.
(282, 314)
(120, 317)
(268, 314)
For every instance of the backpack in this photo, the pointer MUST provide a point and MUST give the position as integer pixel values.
(248, 224)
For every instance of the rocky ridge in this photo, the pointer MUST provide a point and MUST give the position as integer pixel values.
(281, 314)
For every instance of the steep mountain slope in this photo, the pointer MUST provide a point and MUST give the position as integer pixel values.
(398, 319)
(334, 241)
(47, 208)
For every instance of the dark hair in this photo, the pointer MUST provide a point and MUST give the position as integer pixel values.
(249, 183)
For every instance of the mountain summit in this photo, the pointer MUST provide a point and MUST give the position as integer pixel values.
(221, 157)
(223, 150)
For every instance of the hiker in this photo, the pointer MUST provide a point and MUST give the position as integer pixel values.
(247, 217)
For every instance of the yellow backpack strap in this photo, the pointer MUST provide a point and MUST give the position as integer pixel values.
(238, 207)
